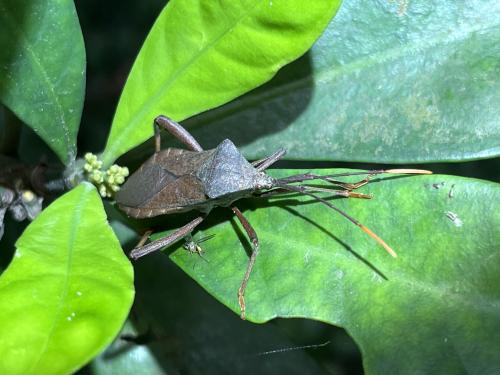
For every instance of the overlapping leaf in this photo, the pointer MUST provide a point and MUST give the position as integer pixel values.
(67, 291)
(202, 54)
(389, 81)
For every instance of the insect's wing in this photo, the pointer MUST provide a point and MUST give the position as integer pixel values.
(184, 194)
(144, 183)
(164, 183)
(181, 162)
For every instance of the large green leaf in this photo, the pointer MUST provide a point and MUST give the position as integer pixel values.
(201, 54)
(67, 291)
(389, 81)
(434, 309)
(178, 327)
(42, 58)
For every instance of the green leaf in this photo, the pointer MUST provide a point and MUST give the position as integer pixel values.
(201, 54)
(67, 291)
(42, 57)
(434, 309)
(125, 357)
(389, 81)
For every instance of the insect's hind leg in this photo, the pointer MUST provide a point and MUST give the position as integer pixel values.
(255, 251)
(177, 131)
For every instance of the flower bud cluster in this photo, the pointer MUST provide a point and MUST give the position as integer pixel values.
(107, 181)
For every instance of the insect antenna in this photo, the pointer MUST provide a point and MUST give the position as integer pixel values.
(304, 190)
(263, 164)
(330, 178)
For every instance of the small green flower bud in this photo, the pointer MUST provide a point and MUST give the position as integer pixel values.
(114, 169)
(102, 191)
(97, 177)
(106, 181)
(28, 196)
(90, 157)
(87, 167)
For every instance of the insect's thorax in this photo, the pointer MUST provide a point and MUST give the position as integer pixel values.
(226, 172)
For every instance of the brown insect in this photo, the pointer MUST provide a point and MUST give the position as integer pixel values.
(177, 180)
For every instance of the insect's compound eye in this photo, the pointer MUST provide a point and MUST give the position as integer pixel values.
(264, 181)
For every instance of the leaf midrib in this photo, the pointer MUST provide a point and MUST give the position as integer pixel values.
(36, 62)
(78, 209)
(325, 76)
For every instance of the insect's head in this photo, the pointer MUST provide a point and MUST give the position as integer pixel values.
(264, 182)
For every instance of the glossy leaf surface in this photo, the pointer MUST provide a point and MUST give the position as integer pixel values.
(42, 58)
(433, 309)
(388, 82)
(201, 54)
(67, 291)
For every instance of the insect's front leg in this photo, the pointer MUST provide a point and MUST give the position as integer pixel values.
(177, 131)
(255, 251)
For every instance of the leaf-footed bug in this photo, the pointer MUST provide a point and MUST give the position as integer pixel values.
(177, 180)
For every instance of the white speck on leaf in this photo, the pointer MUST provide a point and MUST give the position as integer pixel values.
(307, 256)
(78, 293)
(454, 218)
(376, 277)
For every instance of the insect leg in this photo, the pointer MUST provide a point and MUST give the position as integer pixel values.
(144, 238)
(177, 131)
(255, 251)
(165, 241)
(348, 217)
(338, 193)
